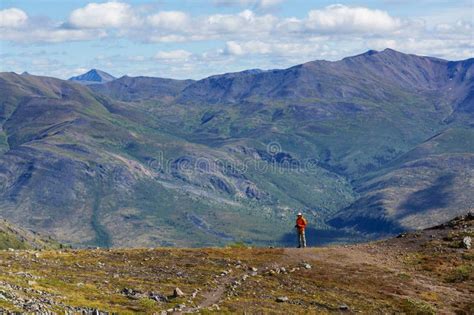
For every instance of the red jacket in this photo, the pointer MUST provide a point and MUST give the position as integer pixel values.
(301, 224)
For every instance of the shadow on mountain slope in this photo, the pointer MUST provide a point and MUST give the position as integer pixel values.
(435, 196)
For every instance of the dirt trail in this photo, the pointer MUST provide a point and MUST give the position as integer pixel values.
(211, 296)
(336, 255)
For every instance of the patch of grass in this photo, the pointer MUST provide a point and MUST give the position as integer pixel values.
(148, 305)
(416, 307)
(413, 259)
(461, 274)
(468, 255)
(237, 245)
(430, 296)
(404, 276)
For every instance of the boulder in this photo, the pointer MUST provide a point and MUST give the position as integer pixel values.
(177, 293)
(282, 299)
(343, 307)
(466, 242)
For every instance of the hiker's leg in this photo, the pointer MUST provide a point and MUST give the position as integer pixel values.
(303, 239)
(299, 239)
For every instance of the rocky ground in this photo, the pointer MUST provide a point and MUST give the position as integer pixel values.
(426, 272)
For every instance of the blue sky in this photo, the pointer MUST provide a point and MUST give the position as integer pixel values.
(198, 38)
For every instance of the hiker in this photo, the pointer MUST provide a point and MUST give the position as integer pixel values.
(300, 226)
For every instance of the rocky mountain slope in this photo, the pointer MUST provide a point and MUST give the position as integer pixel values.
(367, 146)
(424, 272)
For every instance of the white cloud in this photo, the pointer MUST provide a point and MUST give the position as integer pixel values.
(171, 20)
(244, 22)
(263, 4)
(159, 38)
(103, 15)
(269, 3)
(233, 48)
(341, 18)
(250, 47)
(311, 47)
(13, 18)
(173, 55)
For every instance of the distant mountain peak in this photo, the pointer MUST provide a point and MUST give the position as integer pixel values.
(93, 76)
(373, 52)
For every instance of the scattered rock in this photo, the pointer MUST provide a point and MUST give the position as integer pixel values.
(215, 307)
(307, 266)
(177, 293)
(282, 299)
(466, 242)
(180, 307)
(132, 294)
(158, 297)
(343, 307)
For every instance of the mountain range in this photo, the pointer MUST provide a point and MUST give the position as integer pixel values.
(366, 147)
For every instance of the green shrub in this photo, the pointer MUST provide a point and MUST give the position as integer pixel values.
(461, 273)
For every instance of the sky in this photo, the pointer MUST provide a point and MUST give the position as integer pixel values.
(197, 38)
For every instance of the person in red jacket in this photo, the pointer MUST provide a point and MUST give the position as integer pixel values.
(300, 226)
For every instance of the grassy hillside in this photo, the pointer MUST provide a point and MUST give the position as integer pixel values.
(431, 182)
(425, 272)
(13, 237)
